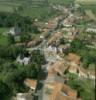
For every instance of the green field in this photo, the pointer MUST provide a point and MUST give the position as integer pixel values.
(90, 7)
(86, 2)
(63, 2)
(2, 30)
(3, 40)
(42, 12)
(90, 14)
(29, 10)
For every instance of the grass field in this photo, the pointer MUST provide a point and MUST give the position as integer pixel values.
(89, 6)
(43, 12)
(29, 10)
(3, 40)
(63, 2)
(40, 13)
(2, 30)
(86, 2)
(90, 14)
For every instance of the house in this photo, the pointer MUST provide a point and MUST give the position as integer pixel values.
(24, 60)
(69, 21)
(59, 91)
(92, 75)
(83, 73)
(66, 23)
(52, 24)
(15, 30)
(61, 47)
(70, 33)
(76, 69)
(58, 67)
(73, 68)
(55, 37)
(52, 49)
(74, 58)
(80, 71)
(23, 96)
(54, 87)
(30, 83)
(91, 30)
(34, 42)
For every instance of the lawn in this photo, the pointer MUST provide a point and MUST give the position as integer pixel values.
(2, 30)
(3, 40)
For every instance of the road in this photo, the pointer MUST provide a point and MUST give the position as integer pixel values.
(43, 72)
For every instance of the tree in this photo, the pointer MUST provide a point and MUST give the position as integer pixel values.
(62, 41)
(11, 39)
(25, 37)
(77, 45)
(5, 91)
(37, 57)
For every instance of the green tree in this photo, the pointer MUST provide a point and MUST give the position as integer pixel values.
(25, 37)
(11, 39)
(5, 92)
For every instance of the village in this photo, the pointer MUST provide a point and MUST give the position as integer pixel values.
(55, 40)
(48, 57)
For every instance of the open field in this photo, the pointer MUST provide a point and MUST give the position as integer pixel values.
(65, 2)
(89, 6)
(86, 2)
(3, 40)
(40, 12)
(6, 8)
(2, 30)
(90, 14)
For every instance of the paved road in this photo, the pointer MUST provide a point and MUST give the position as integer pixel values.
(43, 73)
(41, 80)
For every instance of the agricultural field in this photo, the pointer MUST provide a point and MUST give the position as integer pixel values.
(27, 10)
(90, 14)
(86, 2)
(89, 6)
(63, 2)
(26, 7)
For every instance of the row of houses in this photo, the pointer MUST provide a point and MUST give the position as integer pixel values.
(93, 30)
(54, 86)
